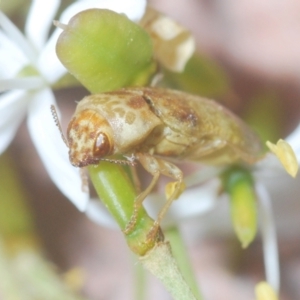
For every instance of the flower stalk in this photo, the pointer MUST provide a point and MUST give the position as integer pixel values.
(180, 253)
(154, 254)
(118, 197)
(160, 262)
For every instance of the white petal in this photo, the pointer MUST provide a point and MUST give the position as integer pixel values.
(17, 37)
(53, 152)
(28, 83)
(12, 59)
(39, 20)
(134, 9)
(13, 107)
(99, 214)
(268, 167)
(203, 175)
(268, 231)
(48, 63)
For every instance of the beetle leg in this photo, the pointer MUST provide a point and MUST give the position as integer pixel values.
(156, 166)
(151, 165)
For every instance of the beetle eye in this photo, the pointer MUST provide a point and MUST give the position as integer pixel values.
(101, 146)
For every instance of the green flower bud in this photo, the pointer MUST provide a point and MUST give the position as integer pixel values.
(105, 50)
(238, 183)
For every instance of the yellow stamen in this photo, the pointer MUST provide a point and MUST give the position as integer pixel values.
(74, 278)
(264, 291)
(286, 155)
(170, 187)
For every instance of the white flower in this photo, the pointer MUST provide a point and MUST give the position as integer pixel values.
(28, 69)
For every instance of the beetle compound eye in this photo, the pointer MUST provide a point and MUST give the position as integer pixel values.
(102, 145)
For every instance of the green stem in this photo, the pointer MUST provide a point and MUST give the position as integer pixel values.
(161, 263)
(117, 192)
(140, 281)
(179, 252)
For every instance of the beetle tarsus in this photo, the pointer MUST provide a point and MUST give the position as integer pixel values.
(131, 224)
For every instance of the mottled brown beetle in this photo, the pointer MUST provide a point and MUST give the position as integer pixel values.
(152, 125)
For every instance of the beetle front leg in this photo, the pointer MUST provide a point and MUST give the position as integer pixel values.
(157, 166)
(151, 165)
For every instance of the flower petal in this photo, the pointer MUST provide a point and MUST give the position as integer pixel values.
(192, 202)
(53, 152)
(12, 59)
(173, 44)
(270, 247)
(39, 20)
(134, 9)
(12, 111)
(29, 83)
(17, 37)
(48, 63)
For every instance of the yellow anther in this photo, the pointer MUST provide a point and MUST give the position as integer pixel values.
(170, 188)
(264, 291)
(286, 155)
(74, 278)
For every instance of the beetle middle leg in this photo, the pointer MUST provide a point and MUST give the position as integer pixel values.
(156, 167)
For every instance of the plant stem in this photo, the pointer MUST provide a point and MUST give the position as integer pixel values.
(140, 282)
(160, 262)
(117, 192)
(179, 252)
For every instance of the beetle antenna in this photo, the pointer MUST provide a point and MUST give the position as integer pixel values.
(57, 123)
(120, 161)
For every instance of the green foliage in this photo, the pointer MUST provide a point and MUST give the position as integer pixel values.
(15, 217)
(264, 114)
(201, 76)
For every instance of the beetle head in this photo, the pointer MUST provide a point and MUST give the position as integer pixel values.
(89, 137)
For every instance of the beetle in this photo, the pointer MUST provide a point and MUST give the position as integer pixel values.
(156, 126)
